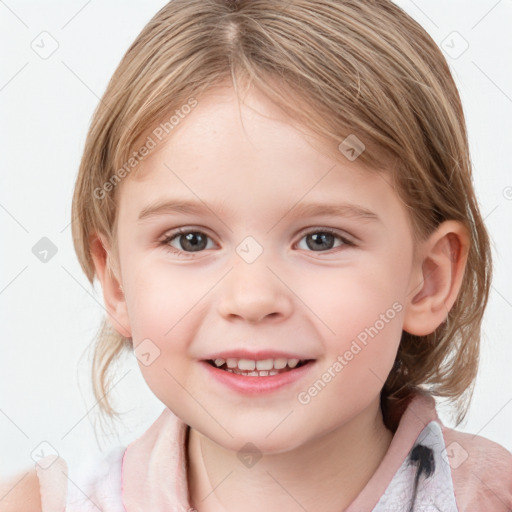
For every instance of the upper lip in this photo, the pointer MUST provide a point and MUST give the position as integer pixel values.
(259, 355)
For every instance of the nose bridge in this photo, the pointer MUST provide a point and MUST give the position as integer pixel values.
(251, 290)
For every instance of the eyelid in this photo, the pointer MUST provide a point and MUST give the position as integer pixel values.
(335, 231)
(170, 233)
(347, 241)
(173, 233)
(347, 238)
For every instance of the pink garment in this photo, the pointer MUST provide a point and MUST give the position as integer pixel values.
(456, 472)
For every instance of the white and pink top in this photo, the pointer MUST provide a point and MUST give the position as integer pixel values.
(427, 468)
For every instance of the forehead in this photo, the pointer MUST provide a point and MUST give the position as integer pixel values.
(222, 111)
(249, 155)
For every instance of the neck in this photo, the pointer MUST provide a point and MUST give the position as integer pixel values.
(336, 467)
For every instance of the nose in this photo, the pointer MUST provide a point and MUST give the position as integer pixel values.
(255, 293)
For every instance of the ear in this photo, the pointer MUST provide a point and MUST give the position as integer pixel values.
(438, 272)
(113, 294)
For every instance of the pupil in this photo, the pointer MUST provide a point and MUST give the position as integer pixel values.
(192, 239)
(319, 239)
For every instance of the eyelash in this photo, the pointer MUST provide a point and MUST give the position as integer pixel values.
(184, 231)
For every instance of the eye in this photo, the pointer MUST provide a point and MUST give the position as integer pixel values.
(324, 238)
(188, 241)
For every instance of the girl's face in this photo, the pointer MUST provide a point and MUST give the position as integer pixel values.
(260, 273)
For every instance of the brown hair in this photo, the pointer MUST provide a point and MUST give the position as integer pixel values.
(338, 68)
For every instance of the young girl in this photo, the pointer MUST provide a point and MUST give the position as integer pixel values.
(276, 197)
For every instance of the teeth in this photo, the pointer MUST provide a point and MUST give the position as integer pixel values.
(280, 363)
(266, 364)
(255, 374)
(264, 367)
(246, 364)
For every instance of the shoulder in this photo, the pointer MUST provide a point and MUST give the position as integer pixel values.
(20, 492)
(481, 471)
(97, 483)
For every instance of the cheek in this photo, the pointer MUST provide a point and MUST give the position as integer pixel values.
(161, 297)
(159, 308)
(347, 300)
(360, 316)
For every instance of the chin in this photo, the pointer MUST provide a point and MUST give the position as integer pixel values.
(258, 439)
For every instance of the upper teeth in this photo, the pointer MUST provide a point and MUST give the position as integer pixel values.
(249, 364)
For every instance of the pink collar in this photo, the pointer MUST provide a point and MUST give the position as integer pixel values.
(154, 471)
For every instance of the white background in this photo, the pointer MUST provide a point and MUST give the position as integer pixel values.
(49, 311)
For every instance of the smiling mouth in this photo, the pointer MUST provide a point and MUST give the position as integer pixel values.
(265, 368)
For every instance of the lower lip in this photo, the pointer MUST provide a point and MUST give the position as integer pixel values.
(255, 385)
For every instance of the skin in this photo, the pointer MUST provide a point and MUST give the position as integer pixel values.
(251, 167)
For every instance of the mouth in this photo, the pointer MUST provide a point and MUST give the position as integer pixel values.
(260, 368)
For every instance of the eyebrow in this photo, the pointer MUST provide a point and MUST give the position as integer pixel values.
(348, 210)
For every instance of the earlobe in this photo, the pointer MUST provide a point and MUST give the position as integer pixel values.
(437, 278)
(113, 295)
